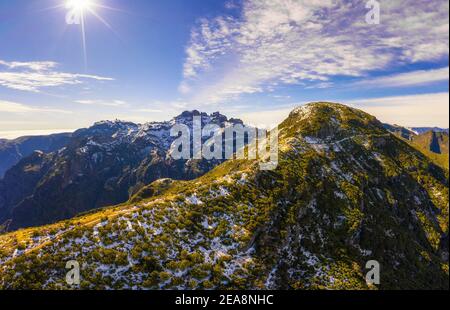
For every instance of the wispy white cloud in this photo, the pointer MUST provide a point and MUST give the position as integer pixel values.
(32, 65)
(106, 103)
(149, 110)
(281, 97)
(164, 108)
(34, 76)
(14, 107)
(415, 78)
(307, 42)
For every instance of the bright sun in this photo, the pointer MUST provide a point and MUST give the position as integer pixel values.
(80, 5)
(77, 13)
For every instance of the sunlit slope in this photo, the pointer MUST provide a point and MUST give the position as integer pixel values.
(433, 142)
(345, 191)
(434, 145)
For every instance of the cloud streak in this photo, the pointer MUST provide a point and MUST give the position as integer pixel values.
(34, 76)
(106, 103)
(415, 78)
(425, 110)
(308, 43)
(19, 108)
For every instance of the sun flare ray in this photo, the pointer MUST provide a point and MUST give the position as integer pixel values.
(78, 10)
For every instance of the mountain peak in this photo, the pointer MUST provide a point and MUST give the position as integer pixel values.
(328, 120)
(316, 105)
(113, 124)
(191, 113)
(214, 118)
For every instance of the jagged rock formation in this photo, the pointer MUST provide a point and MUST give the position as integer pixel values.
(100, 166)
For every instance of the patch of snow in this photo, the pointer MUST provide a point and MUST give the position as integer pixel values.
(340, 195)
(193, 199)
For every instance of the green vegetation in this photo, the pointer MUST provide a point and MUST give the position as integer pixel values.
(345, 192)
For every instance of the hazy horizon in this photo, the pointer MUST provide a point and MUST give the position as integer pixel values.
(265, 118)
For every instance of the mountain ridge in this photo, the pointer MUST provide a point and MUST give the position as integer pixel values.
(345, 191)
(101, 165)
(11, 151)
(433, 142)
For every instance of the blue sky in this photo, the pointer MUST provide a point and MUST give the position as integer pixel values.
(254, 59)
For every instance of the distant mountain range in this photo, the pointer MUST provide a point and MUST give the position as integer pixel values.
(432, 141)
(99, 166)
(420, 130)
(346, 191)
(107, 163)
(12, 151)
